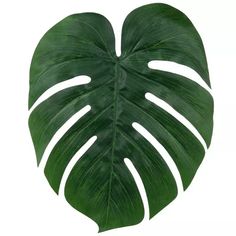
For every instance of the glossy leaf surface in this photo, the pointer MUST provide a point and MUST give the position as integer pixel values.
(100, 185)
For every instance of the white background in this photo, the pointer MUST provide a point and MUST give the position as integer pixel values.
(29, 207)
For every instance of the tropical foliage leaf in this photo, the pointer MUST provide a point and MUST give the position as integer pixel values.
(100, 185)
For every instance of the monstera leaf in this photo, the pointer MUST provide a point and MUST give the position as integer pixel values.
(100, 184)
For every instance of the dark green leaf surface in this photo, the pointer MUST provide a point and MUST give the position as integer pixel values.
(100, 185)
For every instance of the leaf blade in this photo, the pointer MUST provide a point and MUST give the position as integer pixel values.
(83, 44)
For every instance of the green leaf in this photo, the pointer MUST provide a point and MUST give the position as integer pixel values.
(100, 185)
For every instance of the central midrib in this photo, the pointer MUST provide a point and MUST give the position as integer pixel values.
(114, 128)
